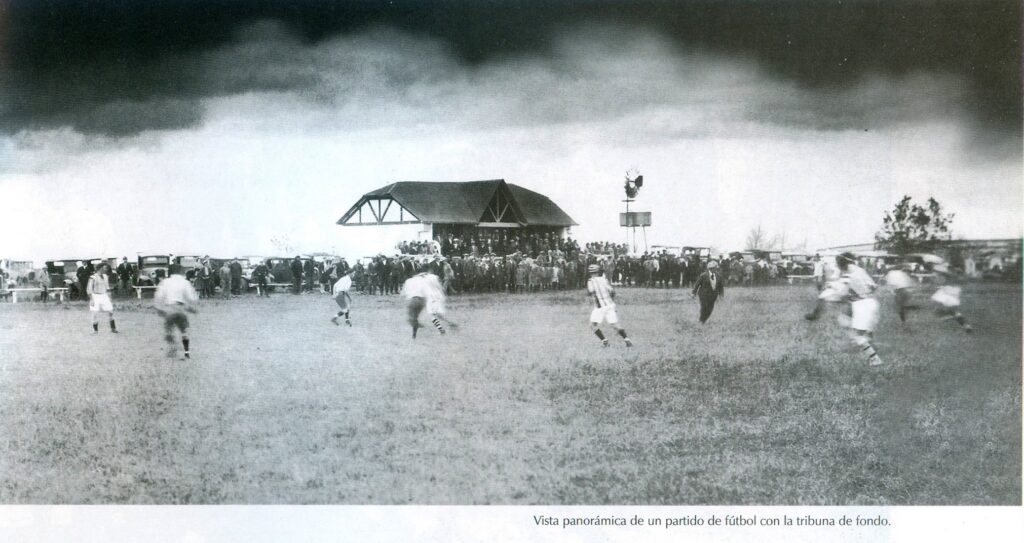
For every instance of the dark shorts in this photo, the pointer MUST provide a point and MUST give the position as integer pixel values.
(176, 319)
(416, 306)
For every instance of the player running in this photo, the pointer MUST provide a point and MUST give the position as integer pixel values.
(604, 305)
(342, 298)
(856, 287)
(174, 297)
(947, 296)
(98, 289)
(424, 292)
(903, 285)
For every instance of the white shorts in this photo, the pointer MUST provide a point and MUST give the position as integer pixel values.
(948, 296)
(865, 315)
(604, 314)
(100, 302)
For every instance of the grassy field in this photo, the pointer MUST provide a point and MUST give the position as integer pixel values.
(520, 406)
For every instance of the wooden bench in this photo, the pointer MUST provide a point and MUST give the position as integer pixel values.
(139, 289)
(275, 285)
(14, 292)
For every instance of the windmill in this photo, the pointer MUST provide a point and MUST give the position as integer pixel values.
(634, 182)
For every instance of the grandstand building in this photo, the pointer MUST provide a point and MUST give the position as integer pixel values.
(470, 208)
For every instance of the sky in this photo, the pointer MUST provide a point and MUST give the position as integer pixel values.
(237, 128)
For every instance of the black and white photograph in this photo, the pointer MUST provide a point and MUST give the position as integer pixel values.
(510, 253)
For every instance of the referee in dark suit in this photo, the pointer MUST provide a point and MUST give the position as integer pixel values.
(710, 285)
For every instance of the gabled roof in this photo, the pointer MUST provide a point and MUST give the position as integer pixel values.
(465, 202)
(539, 209)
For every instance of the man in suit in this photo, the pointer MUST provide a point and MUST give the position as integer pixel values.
(124, 275)
(296, 269)
(236, 277)
(710, 285)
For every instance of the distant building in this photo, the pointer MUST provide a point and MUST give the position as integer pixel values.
(975, 257)
(459, 209)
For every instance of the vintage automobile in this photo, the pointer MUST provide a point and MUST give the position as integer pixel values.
(745, 256)
(249, 262)
(247, 267)
(63, 273)
(702, 253)
(798, 263)
(280, 268)
(767, 256)
(17, 271)
(60, 272)
(187, 264)
(152, 269)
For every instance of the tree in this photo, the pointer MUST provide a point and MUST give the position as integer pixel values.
(911, 227)
(757, 239)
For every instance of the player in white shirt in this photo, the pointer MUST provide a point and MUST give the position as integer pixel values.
(424, 292)
(342, 298)
(947, 296)
(174, 297)
(603, 296)
(98, 289)
(857, 287)
(903, 285)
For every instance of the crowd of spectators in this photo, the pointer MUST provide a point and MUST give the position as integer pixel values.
(498, 242)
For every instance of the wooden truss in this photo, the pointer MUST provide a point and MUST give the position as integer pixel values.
(378, 210)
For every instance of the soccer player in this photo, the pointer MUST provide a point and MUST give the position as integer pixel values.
(424, 293)
(856, 287)
(708, 288)
(948, 296)
(604, 305)
(341, 297)
(174, 297)
(98, 289)
(903, 284)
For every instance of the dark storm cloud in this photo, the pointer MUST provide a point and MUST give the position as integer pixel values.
(118, 68)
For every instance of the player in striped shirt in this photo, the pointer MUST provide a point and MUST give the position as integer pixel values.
(603, 295)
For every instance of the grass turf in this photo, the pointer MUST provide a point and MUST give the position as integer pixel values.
(520, 406)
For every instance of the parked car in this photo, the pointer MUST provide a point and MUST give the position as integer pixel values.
(187, 264)
(153, 269)
(63, 273)
(280, 268)
(249, 262)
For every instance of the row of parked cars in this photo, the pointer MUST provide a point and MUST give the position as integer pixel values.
(149, 270)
